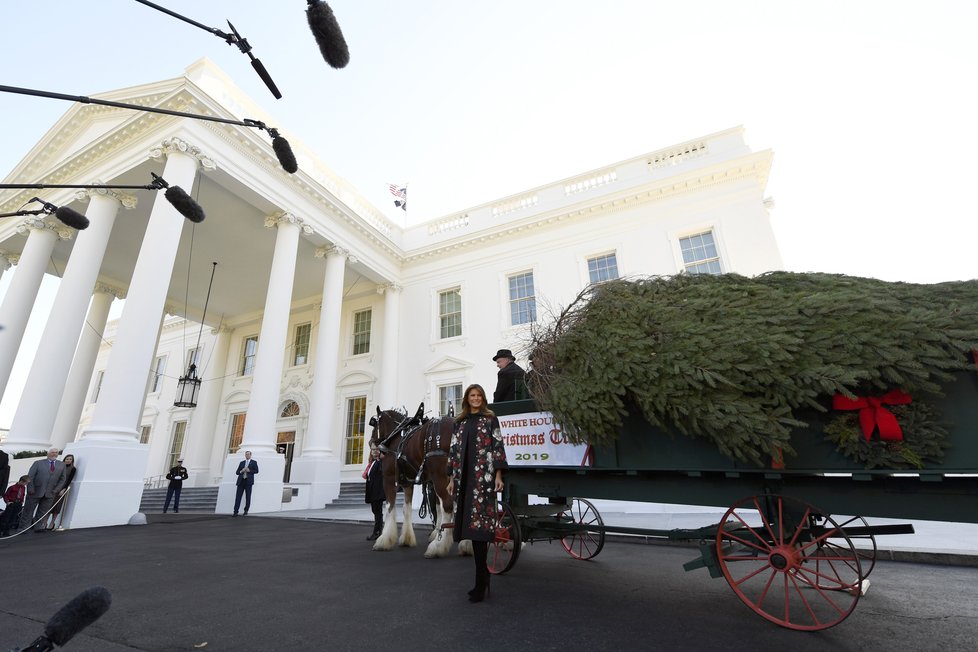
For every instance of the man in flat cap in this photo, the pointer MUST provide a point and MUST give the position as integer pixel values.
(176, 476)
(510, 375)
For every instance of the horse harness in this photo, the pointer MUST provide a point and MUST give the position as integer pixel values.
(407, 428)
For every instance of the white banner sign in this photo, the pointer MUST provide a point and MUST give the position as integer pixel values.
(534, 439)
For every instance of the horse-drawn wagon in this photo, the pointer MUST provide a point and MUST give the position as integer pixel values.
(780, 545)
(787, 399)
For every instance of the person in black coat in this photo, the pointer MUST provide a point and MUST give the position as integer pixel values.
(510, 376)
(176, 476)
(70, 470)
(374, 489)
(476, 461)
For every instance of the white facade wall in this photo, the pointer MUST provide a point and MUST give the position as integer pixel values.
(643, 234)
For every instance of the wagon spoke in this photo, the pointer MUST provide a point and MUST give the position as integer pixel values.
(755, 573)
(867, 555)
(749, 544)
(504, 549)
(821, 592)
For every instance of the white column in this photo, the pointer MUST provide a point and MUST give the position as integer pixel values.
(20, 296)
(318, 465)
(111, 461)
(33, 422)
(389, 352)
(259, 431)
(5, 262)
(76, 389)
(203, 423)
(117, 411)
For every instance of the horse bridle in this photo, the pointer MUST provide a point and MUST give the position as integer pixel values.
(382, 445)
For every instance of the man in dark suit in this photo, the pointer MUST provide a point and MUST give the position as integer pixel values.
(176, 476)
(46, 478)
(247, 468)
(510, 375)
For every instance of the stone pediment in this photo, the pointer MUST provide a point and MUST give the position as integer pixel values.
(85, 124)
(447, 364)
(356, 378)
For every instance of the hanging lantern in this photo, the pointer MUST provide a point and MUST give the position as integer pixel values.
(188, 387)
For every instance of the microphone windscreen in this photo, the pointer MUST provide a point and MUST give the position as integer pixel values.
(285, 156)
(72, 218)
(327, 33)
(82, 611)
(184, 204)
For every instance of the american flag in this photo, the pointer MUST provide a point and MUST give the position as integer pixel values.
(401, 194)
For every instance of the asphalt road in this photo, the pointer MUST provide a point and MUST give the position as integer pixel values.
(216, 583)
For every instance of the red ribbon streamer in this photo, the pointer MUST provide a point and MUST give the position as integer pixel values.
(873, 414)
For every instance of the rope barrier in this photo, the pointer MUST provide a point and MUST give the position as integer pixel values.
(61, 499)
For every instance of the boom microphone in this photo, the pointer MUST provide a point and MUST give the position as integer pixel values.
(72, 218)
(284, 153)
(82, 611)
(184, 204)
(180, 200)
(327, 33)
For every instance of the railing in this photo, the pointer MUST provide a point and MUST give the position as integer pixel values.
(154, 482)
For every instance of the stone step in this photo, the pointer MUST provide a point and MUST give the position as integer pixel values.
(351, 493)
(195, 499)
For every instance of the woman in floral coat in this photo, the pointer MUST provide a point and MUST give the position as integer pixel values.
(475, 465)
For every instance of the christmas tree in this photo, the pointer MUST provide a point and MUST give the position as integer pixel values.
(735, 360)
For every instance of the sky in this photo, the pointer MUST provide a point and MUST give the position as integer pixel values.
(868, 105)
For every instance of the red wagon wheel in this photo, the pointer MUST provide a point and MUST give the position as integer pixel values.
(587, 543)
(789, 562)
(505, 549)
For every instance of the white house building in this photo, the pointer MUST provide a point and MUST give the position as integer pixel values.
(321, 309)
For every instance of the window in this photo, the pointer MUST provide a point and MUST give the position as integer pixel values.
(450, 312)
(290, 409)
(98, 386)
(361, 332)
(156, 374)
(193, 358)
(300, 348)
(237, 432)
(176, 445)
(522, 301)
(602, 268)
(356, 412)
(144, 434)
(248, 353)
(700, 254)
(449, 399)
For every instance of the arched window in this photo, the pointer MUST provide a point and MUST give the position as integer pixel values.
(290, 409)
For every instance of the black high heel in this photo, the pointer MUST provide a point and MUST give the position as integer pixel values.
(481, 590)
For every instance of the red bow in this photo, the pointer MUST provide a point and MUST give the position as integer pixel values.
(873, 414)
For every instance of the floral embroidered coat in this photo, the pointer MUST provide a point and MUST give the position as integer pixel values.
(475, 454)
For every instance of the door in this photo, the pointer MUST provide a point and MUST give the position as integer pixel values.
(285, 444)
